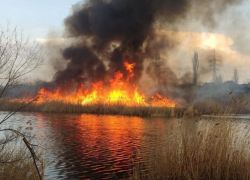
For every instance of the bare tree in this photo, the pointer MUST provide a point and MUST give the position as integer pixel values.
(18, 57)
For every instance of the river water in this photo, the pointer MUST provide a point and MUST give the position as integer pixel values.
(91, 146)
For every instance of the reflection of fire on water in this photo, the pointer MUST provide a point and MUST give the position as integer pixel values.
(120, 92)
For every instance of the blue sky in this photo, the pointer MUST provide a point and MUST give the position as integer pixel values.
(36, 17)
(39, 17)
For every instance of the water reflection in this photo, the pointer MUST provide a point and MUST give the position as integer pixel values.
(90, 146)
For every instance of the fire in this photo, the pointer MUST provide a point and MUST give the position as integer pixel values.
(129, 68)
(119, 92)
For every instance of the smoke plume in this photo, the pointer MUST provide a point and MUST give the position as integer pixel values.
(105, 33)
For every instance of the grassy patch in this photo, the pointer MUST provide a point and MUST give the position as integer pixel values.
(205, 150)
(16, 163)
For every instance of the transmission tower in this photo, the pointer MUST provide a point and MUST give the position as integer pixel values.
(195, 67)
(214, 65)
(236, 76)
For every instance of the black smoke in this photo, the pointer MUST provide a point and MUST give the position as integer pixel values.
(117, 30)
(108, 32)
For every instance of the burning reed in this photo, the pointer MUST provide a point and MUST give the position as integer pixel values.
(120, 96)
(115, 109)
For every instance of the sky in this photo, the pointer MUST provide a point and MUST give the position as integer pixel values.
(38, 18)
(35, 17)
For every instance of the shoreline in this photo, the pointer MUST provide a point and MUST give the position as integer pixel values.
(236, 116)
(99, 109)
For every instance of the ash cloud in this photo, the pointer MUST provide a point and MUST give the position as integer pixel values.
(127, 23)
(106, 33)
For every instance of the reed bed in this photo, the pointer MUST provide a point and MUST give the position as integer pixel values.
(16, 164)
(213, 149)
(115, 109)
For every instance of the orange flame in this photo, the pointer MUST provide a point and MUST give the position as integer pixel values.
(129, 68)
(120, 92)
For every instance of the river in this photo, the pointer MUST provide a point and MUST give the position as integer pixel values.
(91, 146)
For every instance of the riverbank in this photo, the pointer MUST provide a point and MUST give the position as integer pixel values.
(16, 163)
(213, 150)
(234, 116)
(59, 107)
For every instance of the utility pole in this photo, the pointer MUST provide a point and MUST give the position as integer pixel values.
(236, 76)
(195, 67)
(214, 64)
(157, 65)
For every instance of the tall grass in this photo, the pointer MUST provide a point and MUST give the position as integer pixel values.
(20, 156)
(116, 109)
(16, 164)
(202, 150)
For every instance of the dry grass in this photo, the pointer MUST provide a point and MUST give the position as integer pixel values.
(205, 150)
(237, 105)
(59, 107)
(17, 164)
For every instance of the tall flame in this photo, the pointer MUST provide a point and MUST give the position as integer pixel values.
(120, 92)
(129, 68)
